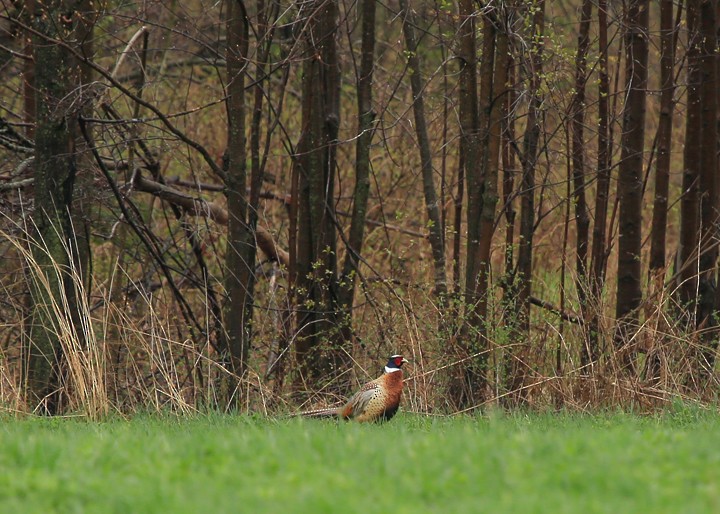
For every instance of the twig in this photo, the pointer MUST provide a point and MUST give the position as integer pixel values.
(135, 98)
(151, 248)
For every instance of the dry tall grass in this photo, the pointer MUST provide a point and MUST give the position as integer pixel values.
(125, 356)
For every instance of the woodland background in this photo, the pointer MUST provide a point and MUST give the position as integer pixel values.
(250, 205)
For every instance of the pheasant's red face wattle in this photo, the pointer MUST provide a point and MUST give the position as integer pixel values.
(394, 363)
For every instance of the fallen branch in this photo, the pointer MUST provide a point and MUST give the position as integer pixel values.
(19, 184)
(286, 199)
(201, 207)
(567, 316)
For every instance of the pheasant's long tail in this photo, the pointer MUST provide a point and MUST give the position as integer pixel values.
(319, 413)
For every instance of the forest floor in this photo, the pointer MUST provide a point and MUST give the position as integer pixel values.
(555, 463)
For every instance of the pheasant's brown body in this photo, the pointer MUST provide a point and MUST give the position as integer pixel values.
(377, 400)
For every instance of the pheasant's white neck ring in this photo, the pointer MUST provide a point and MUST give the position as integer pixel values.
(391, 370)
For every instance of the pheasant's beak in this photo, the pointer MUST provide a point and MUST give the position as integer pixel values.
(405, 361)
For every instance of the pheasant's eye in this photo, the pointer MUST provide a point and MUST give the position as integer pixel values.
(398, 361)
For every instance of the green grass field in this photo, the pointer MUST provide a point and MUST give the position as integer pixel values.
(208, 464)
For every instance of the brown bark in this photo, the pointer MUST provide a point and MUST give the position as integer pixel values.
(491, 113)
(630, 176)
(582, 218)
(482, 201)
(319, 349)
(530, 156)
(366, 122)
(689, 208)
(508, 165)
(482, 188)
(493, 102)
(658, 234)
(240, 257)
(476, 139)
(458, 200)
(708, 187)
(463, 379)
(664, 139)
(599, 254)
(82, 193)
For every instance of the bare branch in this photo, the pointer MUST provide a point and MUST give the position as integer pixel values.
(134, 97)
(142, 30)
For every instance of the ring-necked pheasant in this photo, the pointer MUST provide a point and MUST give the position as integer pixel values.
(378, 400)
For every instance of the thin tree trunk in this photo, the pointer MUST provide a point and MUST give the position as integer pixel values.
(658, 234)
(366, 121)
(708, 188)
(458, 201)
(265, 29)
(436, 236)
(516, 360)
(495, 45)
(530, 157)
(664, 137)
(477, 176)
(492, 90)
(464, 384)
(689, 208)
(598, 261)
(582, 218)
(241, 248)
(476, 159)
(630, 178)
(508, 164)
(320, 350)
(28, 74)
(493, 102)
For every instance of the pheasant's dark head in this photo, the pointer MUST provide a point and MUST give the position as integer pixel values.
(394, 363)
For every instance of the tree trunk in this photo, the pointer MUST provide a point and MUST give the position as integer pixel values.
(689, 208)
(55, 273)
(242, 221)
(630, 177)
(511, 308)
(599, 253)
(516, 359)
(482, 181)
(706, 318)
(475, 161)
(582, 219)
(320, 351)
(28, 73)
(436, 236)
(481, 186)
(366, 122)
(658, 229)
(462, 379)
(664, 138)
